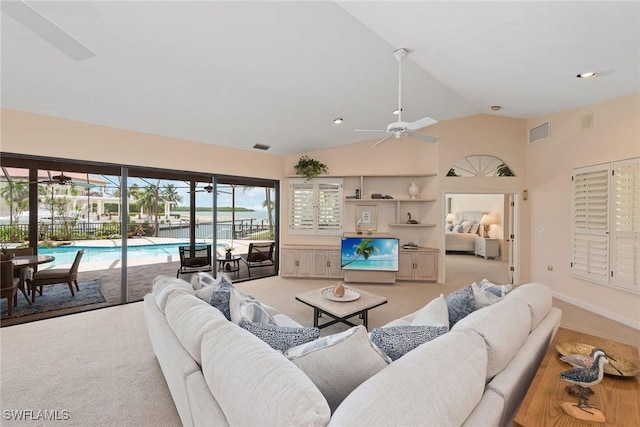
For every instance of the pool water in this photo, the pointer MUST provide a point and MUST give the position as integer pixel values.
(66, 254)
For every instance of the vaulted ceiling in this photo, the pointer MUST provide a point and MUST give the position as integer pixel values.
(277, 73)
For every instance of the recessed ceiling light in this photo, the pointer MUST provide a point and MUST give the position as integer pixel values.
(496, 108)
(587, 75)
(338, 120)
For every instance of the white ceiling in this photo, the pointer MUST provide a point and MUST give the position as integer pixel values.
(278, 73)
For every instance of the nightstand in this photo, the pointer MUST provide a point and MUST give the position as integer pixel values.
(487, 247)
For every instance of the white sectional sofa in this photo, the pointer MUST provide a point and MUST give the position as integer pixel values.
(476, 374)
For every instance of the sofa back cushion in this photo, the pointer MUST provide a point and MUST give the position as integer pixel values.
(188, 317)
(163, 286)
(504, 326)
(254, 384)
(438, 383)
(537, 296)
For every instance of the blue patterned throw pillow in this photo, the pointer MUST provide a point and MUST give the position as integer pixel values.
(460, 303)
(281, 338)
(497, 290)
(396, 341)
(220, 297)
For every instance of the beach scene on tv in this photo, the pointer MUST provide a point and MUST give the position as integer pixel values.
(372, 253)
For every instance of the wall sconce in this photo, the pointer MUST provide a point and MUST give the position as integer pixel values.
(487, 220)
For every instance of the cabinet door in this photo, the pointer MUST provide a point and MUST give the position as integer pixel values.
(320, 264)
(289, 264)
(405, 266)
(305, 263)
(335, 269)
(426, 266)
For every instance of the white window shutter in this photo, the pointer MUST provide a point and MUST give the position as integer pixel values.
(590, 257)
(315, 206)
(626, 224)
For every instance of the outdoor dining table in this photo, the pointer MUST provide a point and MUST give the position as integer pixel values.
(23, 261)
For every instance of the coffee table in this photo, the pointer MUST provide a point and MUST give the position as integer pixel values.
(338, 310)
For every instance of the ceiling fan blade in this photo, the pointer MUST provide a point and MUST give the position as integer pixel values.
(382, 140)
(419, 124)
(47, 30)
(369, 130)
(423, 137)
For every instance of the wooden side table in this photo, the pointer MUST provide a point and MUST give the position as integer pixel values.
(616, 397)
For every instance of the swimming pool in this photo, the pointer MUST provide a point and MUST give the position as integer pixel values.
(66, 254)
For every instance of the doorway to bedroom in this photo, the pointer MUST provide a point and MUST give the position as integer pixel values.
(480, 236)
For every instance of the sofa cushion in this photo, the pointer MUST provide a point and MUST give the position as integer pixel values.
(396, 341)
(437, 384)
(281, 338)
(538, 297)
(497, 290)
(202, 279)
(433, 314)
(339, 363)
(460, 303)
(504, 326)
(256, 385)
(189, 317)
(245, 307)
(163, 286)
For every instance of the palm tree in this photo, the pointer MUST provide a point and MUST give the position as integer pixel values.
(149, 199)
(16, 195)
(170, 194)
(364, 249)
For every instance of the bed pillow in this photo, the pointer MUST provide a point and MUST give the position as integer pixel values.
(474, 228)
(449, 227)
(460, 303)
(466, 226)
(396, 341)
(458, 228)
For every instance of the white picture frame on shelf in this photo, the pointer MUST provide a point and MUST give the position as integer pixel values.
(367, 217)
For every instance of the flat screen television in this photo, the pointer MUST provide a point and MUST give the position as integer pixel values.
(369, 253)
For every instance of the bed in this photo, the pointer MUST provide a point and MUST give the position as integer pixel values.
(462, 234)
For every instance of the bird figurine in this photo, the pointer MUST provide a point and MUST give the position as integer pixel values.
(583, 361)
(584, 378)
(411, 221)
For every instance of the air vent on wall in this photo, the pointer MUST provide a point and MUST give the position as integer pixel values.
(261, 147)
(539, 132)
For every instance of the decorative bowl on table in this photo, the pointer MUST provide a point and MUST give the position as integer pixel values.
(349, 294)
(620, 367)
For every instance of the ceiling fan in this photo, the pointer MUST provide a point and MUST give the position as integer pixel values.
(400, 128)
(207, 188)
(33, 20)
(61, 179)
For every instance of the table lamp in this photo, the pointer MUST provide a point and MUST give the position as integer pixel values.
(487, 220)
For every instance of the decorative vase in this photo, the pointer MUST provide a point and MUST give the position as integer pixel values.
(338, 290)
(413, 190)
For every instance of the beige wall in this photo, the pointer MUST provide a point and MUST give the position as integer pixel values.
(615, 135)
(39, 135)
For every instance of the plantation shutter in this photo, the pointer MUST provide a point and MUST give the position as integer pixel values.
(316, 206)
(626, 224)
(590, 257)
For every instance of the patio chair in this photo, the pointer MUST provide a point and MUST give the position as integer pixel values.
(194, 259)
(259, 255)
(9, 288)
(55, 276)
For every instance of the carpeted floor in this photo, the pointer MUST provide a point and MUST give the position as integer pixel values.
(56, 297)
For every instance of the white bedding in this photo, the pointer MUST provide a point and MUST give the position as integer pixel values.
(465, 241)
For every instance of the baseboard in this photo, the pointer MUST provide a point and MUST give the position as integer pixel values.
(597, 310)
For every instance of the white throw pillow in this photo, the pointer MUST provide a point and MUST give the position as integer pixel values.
(474, 228)
(339, 363)
(433, 314)
(466, 226)
(483, 298)
(244, 307)
(457, 229)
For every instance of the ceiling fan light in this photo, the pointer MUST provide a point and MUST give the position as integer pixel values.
(396, 111)
(337, 120)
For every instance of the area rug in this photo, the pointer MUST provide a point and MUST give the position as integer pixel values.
(56, 297)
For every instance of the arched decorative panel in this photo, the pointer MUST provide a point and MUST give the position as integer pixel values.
(480, 165)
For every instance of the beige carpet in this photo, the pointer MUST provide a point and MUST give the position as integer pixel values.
(99, 365)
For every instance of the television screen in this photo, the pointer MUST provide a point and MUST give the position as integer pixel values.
(370, 253)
